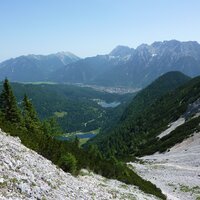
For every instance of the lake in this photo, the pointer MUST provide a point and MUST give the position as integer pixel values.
(104, 104)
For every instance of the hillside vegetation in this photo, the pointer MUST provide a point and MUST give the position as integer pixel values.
(148, 115)
(74, 108)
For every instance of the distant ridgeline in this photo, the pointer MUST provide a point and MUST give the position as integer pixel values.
(123, 66)
(150, 113)
(39, 136)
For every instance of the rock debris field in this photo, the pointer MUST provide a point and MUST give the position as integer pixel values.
(26, 175)
(176, 172)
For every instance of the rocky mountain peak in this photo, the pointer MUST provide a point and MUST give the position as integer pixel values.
(121, 51)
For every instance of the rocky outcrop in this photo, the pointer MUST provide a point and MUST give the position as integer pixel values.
(26, 175)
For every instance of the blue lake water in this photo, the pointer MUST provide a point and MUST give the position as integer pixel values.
(109, 105)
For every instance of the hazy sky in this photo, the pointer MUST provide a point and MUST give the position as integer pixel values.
(90, 27)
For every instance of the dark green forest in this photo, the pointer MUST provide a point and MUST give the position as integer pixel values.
(148, 115)
(39, 136)
(74, 108)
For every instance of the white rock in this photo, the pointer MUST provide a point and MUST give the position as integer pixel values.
(177, 172)
(28, 175)
(1, 180)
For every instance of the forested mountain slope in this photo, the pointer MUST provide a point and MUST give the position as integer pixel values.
(144, 99)
(137, 132)
(154, 91)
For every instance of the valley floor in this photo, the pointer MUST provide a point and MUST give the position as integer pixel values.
(176, 172)
(26, 175)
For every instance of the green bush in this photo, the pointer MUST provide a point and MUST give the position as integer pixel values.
(68, 163)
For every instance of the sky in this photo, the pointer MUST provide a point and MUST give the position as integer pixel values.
(91, 27)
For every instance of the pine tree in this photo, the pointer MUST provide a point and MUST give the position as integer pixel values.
(50, 127)
(8, 104)
(29, 110)
(30, 116)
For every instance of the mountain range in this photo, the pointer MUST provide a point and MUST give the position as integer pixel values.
(32, 68)
(122, 67)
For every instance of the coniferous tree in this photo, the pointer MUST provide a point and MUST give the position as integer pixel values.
(51, 127)
(31, 120)
(8, 104)
(29, 110)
